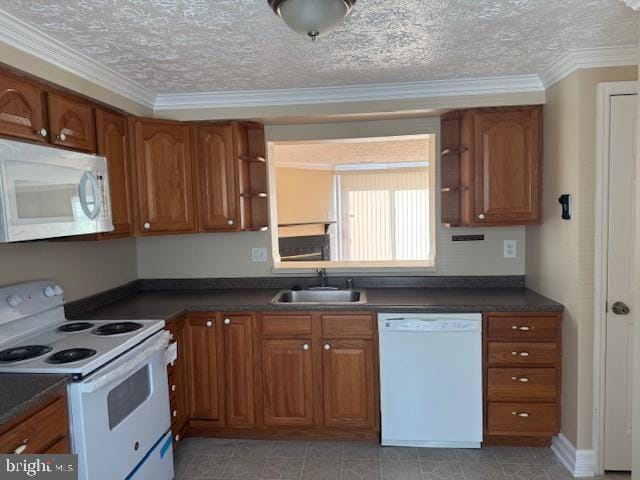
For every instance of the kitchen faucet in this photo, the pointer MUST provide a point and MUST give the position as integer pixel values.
(322, 275)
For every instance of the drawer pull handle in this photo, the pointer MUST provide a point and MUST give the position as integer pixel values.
(520, 379)
(178, 438)
(175, 413)
(522, 354)
(522, 328)
(209, 323)
(62, 136)
(327, 347)
(22, 447)
(521, 414)
(227, 321)
(173, 388)
(305, 346)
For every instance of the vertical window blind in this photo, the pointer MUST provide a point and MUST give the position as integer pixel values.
(384, 214)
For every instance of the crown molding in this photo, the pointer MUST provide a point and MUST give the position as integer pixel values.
(18, 34)
(350, 93)
(24, 37)
(635, 4)
(578, 59)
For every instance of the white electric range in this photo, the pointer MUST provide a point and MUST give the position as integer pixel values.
(118, 400)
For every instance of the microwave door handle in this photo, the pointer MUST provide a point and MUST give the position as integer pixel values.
(82, 190)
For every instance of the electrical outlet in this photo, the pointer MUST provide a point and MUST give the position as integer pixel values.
(259, 255)
(510, 249)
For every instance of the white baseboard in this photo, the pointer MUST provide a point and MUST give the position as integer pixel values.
(580, 463)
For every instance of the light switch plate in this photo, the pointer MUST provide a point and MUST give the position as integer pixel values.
(510, 249)
(259, 255)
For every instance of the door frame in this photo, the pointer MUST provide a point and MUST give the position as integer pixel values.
(603, 118)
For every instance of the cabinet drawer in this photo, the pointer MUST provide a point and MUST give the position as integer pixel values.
(522, 419)
(286, 325)
(542, 354)
(347, 325)
(523, 327)
(38, 432)
(529, 384)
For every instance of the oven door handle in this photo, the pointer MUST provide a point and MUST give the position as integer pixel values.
(120, 370)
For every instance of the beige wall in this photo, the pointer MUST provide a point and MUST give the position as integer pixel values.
(304, 195)
(82, 268)
(560, 254)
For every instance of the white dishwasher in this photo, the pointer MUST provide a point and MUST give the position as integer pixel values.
(431, 379)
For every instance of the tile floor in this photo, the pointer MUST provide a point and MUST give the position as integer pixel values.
(281, 460)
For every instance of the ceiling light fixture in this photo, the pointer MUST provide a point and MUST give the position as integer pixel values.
(312, 17)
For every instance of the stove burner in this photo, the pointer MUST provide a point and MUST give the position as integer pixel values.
(117, 328)
(73, 327)
(25, 352)
(71, 355)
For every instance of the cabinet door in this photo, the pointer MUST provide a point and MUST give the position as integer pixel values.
(287, 367)
(165, 182)
(507, 166)
(71, 122)
(239, 386)
(217, 178)
(349, 383)
(22, 110)
(204, 371)
(112, 143)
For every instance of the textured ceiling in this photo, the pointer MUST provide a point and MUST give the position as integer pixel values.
(328, 154)
(173, 46)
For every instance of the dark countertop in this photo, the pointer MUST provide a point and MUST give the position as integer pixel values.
(167, 304)
(21, 391)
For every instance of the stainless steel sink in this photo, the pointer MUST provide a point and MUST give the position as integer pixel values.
(320, 296)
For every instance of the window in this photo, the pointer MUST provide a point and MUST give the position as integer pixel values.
(354, 203)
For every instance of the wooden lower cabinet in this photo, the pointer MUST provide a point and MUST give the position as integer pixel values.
(42, 429)
(266, 375)
(288, 379)
(239, 370)
(204, 368)
(349, 383)
(522, 376)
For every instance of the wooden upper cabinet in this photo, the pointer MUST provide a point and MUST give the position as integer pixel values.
(217, 174)
(349, 383)
(204, 369)
(22, 112)
(164, 177)
(491, 166)
(238, 368)
(71, 122)
(287, 366)
(507, 166)
(112, 143)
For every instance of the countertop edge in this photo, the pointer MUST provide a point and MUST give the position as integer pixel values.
(21, 408)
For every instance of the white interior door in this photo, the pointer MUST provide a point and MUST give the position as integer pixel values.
(620, 283)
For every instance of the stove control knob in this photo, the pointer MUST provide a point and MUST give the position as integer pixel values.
(14, 300)
(58, 290)
(49, 291)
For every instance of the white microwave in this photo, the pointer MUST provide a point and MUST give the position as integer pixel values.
(47, 192)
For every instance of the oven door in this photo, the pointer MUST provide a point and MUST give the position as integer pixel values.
(120, 414)
(48, 192)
